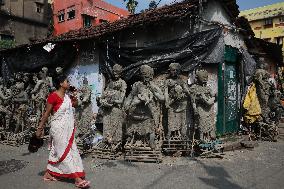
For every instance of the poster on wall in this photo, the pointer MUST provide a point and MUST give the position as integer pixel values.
(91, 72)
(87, 67)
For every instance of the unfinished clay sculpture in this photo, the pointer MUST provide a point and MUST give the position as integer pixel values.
(176, 100)
(111, 103)
(203, 105)
(5, 113)
(143, 109)
(263, 89)
(84, 110)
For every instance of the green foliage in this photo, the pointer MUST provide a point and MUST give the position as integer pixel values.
(5, 44)
(153, 5)
(131, 5)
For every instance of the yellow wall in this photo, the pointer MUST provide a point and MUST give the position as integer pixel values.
(257, 19)
(264, 33)
(264, 12)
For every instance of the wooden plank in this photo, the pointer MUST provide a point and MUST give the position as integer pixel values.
(145, 160)
(145, 151)
(137, 148)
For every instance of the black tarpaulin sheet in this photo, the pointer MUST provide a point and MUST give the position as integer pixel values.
(34, 58)
(190, 50)
(249, 65)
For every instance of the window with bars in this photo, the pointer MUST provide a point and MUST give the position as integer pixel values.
(39, 7)
(60, 16)
(87, 21)
(71, 13)
(268, 22)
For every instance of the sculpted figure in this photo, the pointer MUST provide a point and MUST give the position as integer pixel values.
(3, 108)
(263, 89)
(142, 106)
(275, 106)
(20, 103)
(39, 94)
(176, 100)
(203, 103)
(46, 78)
(84, 108)
(59, 70)
(44, 72)
(28, 85)
(111, 103)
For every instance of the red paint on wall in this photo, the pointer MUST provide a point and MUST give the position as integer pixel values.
(87, 13)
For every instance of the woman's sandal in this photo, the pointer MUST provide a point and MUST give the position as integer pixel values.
(83, 184)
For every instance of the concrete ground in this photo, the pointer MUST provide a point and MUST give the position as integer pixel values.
(260, 168)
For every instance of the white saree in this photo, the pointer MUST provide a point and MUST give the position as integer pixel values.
(64, 158)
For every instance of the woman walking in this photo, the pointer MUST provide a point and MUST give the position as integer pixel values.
(64, 158)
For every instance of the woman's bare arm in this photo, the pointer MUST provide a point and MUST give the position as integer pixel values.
(44, 119)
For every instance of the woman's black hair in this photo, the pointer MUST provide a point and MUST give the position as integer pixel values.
(58, 80)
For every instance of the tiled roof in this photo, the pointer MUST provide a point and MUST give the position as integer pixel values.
(175, 11)
(167, 12)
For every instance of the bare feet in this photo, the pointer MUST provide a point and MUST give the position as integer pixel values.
(48, 177)
(80, 183)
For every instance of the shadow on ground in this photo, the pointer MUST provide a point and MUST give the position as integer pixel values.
(26, 154)
(221, 179)
(157, 181)
(41, 173)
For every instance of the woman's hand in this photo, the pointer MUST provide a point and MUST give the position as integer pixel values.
(40, 132)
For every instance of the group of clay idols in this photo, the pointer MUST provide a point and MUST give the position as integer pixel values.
(153, 111)
(264, 124)
(23, 99)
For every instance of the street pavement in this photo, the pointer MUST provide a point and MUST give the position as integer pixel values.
(260, 168)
